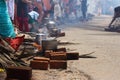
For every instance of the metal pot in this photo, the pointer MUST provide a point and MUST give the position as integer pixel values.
(49, 44)
(51, 25)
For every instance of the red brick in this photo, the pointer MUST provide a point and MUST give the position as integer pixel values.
(20, 73)
(41, 59)
(42, 65)
(11, 79)
(47, 53)
(58, 56)
(58, 64)
(61, 34)
(72, 56)
(61, 50)
(58, 53)
(58, 34)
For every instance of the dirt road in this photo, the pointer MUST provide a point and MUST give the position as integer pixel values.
(104, 46)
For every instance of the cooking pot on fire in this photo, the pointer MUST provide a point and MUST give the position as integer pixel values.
(49, 44)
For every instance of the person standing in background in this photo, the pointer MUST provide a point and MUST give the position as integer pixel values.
(57, 12)
(6, 27)
(46, 8)
(39, 5)
(84, 9)
(33, 19)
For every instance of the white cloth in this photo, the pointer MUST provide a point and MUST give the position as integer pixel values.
(78, 2)
(39, 0)
(10, 4)
(34, 15)
(57, 11)
(56, 1)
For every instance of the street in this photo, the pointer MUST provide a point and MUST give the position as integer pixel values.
(59, 39)
(90, 37)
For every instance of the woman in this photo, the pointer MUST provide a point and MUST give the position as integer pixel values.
(46, 8)
(6, 27)
(57, 12)
(22, 14)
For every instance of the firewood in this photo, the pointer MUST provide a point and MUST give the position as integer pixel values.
(6, 45)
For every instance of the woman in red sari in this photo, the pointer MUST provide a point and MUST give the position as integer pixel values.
(22, 14)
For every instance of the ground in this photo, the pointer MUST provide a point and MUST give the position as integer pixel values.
(88, 38)
(104, 46)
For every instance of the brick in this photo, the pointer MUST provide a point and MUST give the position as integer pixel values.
(58, 34)
(11, 79)
(72, 56)
(61, 50)
(58, 64)
(19, 73)
(41, 59)
(42, 65)
(58, 53)
(61, 34)
(58, 56)
(47, 53)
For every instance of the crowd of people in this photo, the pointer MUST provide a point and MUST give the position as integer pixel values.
(25, 13)
(58, 10)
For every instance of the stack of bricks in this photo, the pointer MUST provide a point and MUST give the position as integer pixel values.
(56, 59)
(60, 52)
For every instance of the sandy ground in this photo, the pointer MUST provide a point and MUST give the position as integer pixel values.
(89, 37)
(104, 46)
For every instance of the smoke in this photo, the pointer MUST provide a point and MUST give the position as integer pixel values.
(102, 6)
(91, 6)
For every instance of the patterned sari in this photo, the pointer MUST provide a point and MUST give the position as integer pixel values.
(6, 27)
